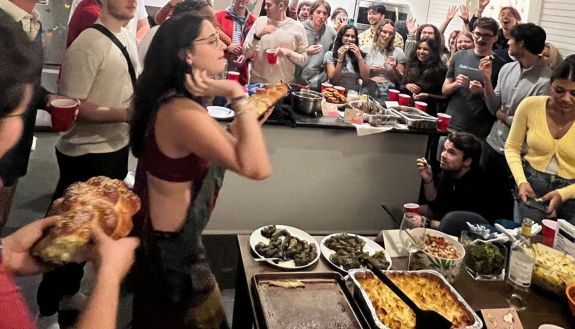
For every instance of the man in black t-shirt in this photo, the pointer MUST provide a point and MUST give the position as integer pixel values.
(461, 185)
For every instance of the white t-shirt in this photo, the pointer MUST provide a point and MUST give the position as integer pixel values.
(140, 14)
(146, 42)
(374, 57)
(132, 25)
(95, 69)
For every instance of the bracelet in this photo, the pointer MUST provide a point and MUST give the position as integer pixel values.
(428, 182)
(257, 37)
(338, 61)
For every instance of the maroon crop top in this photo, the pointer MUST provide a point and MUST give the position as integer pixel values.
(188, 168)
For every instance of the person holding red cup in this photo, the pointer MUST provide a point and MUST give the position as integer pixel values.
(276, 45)
(233, 75)
(63, 112)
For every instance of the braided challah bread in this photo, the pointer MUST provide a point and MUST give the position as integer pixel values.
(100, 200)
(267, 97)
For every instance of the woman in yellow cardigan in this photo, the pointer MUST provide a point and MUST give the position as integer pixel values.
(546, 172)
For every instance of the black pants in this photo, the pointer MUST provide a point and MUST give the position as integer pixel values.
(501, 181)
(66, 279)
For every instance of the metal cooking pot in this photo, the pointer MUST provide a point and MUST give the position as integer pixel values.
(307, 101)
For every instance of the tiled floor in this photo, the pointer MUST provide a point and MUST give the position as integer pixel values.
(31, 201)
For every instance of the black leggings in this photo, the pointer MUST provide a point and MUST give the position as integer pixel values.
(66, 279)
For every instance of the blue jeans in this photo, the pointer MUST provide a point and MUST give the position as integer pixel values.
(543, 183)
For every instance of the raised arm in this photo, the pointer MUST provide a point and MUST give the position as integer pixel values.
(451, 11)
(192, 129)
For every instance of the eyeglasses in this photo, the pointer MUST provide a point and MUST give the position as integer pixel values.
(213, 40)
(479, 35)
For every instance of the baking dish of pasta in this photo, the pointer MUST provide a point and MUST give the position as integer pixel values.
(427, 288)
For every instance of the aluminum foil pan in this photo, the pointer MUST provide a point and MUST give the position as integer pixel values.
(353, 274)
(415, 119)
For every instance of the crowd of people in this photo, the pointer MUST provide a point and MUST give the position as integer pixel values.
(510, 95)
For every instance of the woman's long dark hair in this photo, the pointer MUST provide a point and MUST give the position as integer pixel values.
(338, 43)
(164, 72)
(429, 72)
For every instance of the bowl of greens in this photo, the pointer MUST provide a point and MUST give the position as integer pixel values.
(485, 261)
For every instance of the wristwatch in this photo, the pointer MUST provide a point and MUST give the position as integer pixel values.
(257, 37)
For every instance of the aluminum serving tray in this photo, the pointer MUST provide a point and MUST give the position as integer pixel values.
(383, 118)
(324, 302)
(415, 119)
(478, 324)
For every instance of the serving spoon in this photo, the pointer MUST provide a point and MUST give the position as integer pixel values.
(271, 259)
(423, 318)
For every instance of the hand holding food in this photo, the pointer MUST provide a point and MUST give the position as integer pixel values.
(16, 251)
(424, 170)
(265, 98)
(100, 201)
(462, 81)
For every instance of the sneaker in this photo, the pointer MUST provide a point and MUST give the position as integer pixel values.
(47, 322)
(76, 302)
(130, 180)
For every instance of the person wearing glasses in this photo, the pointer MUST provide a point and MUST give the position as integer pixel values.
(183, 154)
(508, 18)
(464, 82)
(282, 35)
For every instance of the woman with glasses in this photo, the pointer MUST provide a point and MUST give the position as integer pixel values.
(546, 172)
(386, 62)
(345, 63)
(183, 154)
(424, 69)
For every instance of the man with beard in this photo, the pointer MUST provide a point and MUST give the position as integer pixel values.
(375, 13)
(464, 82)
(528, 76)
(320, 38)
(508, 18)
(280, 34)
(460, 187)
(96, 72)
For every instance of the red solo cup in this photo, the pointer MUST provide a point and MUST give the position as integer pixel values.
(548, 232)
(272, 56)
(443, 121)
(63, 112)
(326, 85)
(233, 75)
(421, 106)
(404, 99)
(411, 207)
(393, 95)
(340, 90)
